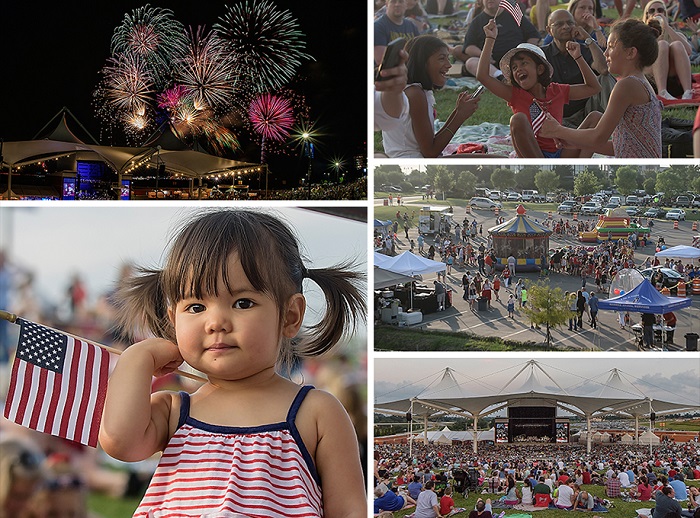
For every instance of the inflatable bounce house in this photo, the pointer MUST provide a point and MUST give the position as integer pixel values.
(526, 239)
(614, 224)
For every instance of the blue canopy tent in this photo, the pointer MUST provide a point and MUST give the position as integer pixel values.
(645, 299)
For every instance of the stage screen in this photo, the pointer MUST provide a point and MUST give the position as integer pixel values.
(532, 424)
(501, 432)
(562, 432)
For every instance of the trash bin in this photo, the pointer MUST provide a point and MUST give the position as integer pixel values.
(691, 341)
(483, 305)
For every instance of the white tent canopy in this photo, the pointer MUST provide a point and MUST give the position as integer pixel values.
(649, 437)
(411, 264)
(680, 252)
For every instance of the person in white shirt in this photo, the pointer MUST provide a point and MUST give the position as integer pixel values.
(565, 496)
(390, 101)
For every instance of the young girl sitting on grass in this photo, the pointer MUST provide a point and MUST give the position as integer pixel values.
(428, 65)
(249, 441)
(633, 115)
(530, 92)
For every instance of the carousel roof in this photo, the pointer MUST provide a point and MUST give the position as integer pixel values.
(520, 225)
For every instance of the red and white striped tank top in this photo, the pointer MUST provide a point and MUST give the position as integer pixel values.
(221, 471)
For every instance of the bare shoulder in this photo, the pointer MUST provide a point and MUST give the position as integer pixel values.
(319, 415)
(165, 406)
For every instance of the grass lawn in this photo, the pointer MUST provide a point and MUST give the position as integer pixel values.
(621, 508)
(108, 507)
(494, 109)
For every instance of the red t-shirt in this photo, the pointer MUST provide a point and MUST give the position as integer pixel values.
(696, 126)
(446, 504)
(553, 103)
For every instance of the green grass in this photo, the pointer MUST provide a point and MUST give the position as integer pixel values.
(395, 339)
(621, 508)
(495, 110)
(108, 507)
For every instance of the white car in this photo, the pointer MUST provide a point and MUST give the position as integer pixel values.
(484, 203)
(567, 206)
(513, 196)
(591, 207)
(677, 214)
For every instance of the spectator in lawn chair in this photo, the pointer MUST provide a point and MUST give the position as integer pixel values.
(563, 29)
(510, 35)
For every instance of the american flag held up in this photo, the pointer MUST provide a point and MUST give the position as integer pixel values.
(537, 116)
(58, 384)
(513, 8)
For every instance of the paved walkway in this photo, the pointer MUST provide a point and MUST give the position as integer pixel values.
(495, 322)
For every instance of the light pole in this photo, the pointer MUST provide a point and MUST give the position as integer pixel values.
(307, 143)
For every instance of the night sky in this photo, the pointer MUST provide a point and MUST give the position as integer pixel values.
(52, 55)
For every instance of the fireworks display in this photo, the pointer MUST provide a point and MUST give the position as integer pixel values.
(266, 42)
(198, 81)
(271, 116)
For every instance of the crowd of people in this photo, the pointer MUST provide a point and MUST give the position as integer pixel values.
(549, 475)
(574, 90)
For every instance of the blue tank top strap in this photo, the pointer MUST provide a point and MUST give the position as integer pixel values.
(184, 408)
(296, 404)
(291, 422)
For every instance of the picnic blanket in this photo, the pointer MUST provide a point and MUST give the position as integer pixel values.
(496, 137)
(527, 507)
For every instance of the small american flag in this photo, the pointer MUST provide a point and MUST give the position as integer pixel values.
(513, 8)
(58, 384)
(537, 116)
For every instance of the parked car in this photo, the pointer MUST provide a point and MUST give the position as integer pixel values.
(495, 195)
(682, 201)
(514, 196)
(484, 203)
(615, 199)
(632, 211)
(632, 200)
(671, 277)
(695, 202)
(529, 195)
(551, 197)
(611, 206)
(677, 214)
(568, 206)
(655, 213)
(591, 207)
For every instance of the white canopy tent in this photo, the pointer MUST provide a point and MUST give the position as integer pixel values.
(680, 252)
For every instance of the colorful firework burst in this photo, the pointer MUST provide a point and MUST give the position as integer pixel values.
(271, 116)
(266, 42)
(127, 85)
(152, 34)
(206, 71)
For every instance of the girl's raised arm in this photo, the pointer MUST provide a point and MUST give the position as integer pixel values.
(338, 459)
(136, 424)
(591, 86)
(482, 71)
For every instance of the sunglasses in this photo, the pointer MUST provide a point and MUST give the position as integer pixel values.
(660, 10)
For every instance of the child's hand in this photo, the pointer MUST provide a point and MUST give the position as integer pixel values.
(166, 355)
(574, 49)
(466, 106)
(491, 30)
(550, 127)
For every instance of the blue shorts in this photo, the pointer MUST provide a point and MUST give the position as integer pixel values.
(552, 154)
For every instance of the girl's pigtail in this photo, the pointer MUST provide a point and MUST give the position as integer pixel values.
(346, 305)
(142, 307)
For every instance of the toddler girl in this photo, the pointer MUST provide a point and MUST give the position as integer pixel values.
(633, 115)
(511, 306)
(531, 94)
(249, 441)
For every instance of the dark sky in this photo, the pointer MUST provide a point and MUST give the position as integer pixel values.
(52, 54)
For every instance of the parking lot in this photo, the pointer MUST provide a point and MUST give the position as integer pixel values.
(495, 322)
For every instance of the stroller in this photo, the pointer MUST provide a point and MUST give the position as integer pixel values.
(465, 481)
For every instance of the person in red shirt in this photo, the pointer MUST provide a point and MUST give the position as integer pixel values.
(496, 285)
(447, 504)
